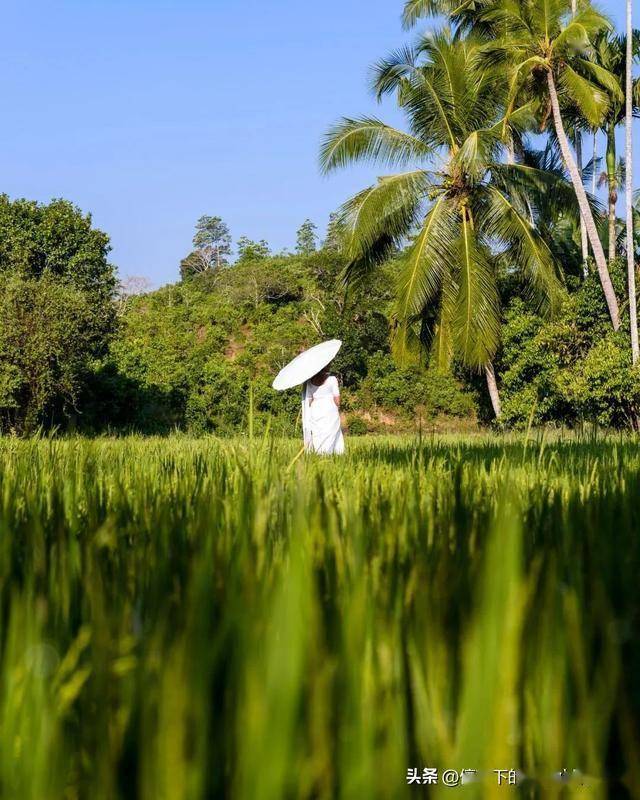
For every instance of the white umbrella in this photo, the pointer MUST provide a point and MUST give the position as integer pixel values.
(307, 364)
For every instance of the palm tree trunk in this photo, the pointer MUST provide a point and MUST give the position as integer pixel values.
(585, 210)
(612, 183)
(490, 375)
(594, 158)
(584, 242)
(631, 267)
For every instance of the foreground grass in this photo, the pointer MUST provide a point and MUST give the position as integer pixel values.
(195, 618)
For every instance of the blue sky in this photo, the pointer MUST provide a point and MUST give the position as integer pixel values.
(149, 114)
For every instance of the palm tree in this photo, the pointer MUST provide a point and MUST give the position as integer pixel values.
(631, 267)
(545, 52)
(556, 214)
(460, 204)
(609, 51)
(463, 14)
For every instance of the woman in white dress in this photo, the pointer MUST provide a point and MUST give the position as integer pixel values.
(321, 415)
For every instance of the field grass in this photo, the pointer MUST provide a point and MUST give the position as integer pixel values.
(204, 619)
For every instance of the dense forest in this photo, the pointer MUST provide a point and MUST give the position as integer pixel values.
(81, 351)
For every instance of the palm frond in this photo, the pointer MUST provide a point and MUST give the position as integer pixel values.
(407, 347)
(427, 260)
(476, 152)
(603, 77)
(581, 31)
(519, 75)
(389, 73)
(592, 165)
(591, 100)
(369, 139)
(441, 340)
(378, 219)
(501, 221)
(573, 38)
(546, 185)
(476, 319)
(418, 9)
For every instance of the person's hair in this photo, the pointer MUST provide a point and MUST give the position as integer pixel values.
(323, 373)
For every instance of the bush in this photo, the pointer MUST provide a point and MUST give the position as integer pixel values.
(569, 370)
(404, 389)
(356, 426)
(44, 350)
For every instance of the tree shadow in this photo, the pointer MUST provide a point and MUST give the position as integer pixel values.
(115, 402)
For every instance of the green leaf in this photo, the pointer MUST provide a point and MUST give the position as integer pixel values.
(369, 139)
(591, 100)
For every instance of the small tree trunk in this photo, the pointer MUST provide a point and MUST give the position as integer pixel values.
(612, 184)
(493, 390)
(584, 242)
(585, 210)
(631, 267)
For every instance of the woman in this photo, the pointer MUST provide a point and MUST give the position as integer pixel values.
(321, 414)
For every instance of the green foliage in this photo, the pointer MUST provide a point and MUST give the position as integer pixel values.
(572, 369)
(306, 238)
(199, 619)
(462, 217)
(337, 234)
(356, 426)
(402, 389)
(45, 351)
(58, 240)
(213, 232)
(248, 250)
(212, 243)
(56, 310)
(189, 355)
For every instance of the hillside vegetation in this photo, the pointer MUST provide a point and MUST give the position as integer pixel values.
(191, 355)
(77, 352)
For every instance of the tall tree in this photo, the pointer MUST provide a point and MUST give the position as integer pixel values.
(306, 238)
(577, 143)
(463, 210)
(542, 54)
(57, 309)
(57, 239)
(212, 235)
(610, 52)
(212, 247)
(631, 267)
(248, 250)
(336, 234)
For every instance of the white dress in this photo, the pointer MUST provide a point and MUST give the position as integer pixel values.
(321, 418)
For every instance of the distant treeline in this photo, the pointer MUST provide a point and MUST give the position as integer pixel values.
(79, 351)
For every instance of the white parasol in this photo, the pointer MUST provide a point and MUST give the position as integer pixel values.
(307, 364)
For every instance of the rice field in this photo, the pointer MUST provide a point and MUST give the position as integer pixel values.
(186, 618)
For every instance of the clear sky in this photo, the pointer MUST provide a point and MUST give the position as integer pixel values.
(149, 114)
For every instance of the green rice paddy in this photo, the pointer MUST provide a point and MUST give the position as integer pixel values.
(206, 619)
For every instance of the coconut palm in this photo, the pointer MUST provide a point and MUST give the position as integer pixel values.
(463, 14)
(547, 53)
(460, 204)
(609, 51)
(556, 214)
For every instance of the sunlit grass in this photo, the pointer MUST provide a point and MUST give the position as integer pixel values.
(190, 618)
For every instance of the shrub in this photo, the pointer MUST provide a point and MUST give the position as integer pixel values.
(571, 369)
(356, 426)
